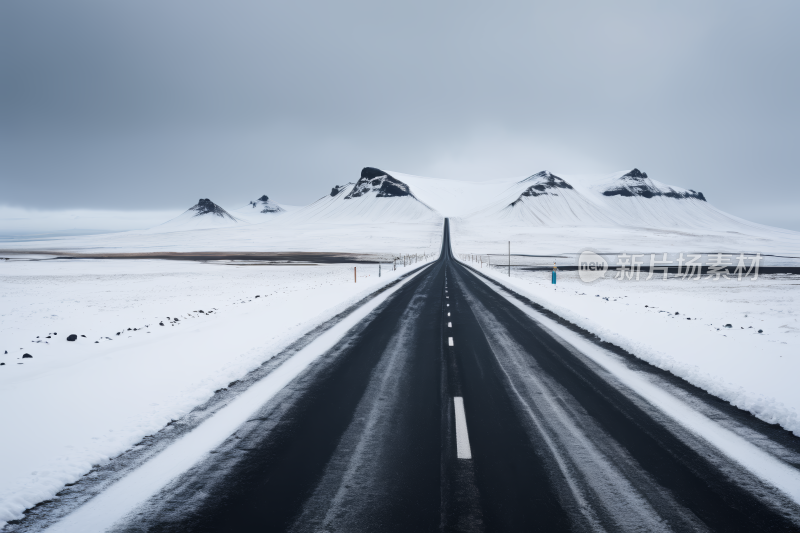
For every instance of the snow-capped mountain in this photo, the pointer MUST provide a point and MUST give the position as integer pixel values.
(545, 200)
(205, 214)
(636, 183)
(377, 197)
(259, 210)
(375, 180)
(264, 205)
(387, 211)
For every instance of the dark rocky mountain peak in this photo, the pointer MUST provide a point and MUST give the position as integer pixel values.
(265, 206)
(636, 173)
(544, 183)
(636, 183)
(373, 179)
(205, 206)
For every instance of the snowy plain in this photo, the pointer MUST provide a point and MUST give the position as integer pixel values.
(680, 326)
(77, 404)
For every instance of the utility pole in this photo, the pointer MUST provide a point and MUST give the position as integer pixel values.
(355, 277)
(509, 259)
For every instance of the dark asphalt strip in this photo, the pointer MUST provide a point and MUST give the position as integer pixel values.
(514, 489)
(267, 480)
(719, 502)
(461, 509)
(365, 439)
(102, 476)
(712, 406)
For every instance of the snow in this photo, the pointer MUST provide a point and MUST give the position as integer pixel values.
(204, 215)
(753, 371)
(763, 464)
(17, 222)
(485, 215)
(259, 210)
(77, 404)
(80, 403)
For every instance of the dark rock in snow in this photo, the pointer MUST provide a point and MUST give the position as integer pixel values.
(48, 337)
(761, 331)
(373, 179)
(265, 205)
(160, 323)
(176, 320)
(84, 336)
(728, 326)
(258, 296)
(636, 183)
(677, 313)
(545, 184)
(27, 356)
(205, 206)
(72, 338)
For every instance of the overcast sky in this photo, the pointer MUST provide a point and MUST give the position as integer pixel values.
(148, 105)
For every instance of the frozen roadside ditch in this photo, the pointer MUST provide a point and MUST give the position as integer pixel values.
(78, 404)
(680, 326)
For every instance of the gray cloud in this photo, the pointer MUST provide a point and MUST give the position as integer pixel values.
(150, 105)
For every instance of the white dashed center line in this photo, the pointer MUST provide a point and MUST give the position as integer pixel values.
(451, 341)
(463, 450)
(449, 324)
(448, 314)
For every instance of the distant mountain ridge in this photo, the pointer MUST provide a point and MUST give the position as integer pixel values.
(624, 199)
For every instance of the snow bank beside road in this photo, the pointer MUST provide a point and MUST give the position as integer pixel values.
(77, 404)
(755, 372)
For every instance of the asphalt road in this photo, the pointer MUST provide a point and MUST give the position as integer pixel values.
(373, 437)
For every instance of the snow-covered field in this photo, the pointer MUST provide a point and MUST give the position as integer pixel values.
(680, 326)
(77, 404)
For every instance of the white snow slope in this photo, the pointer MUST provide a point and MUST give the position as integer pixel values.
(203, 215)
(80, 403)
(542, 213)
(76, 404)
